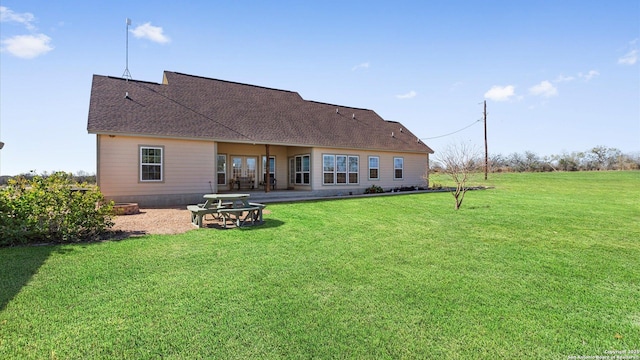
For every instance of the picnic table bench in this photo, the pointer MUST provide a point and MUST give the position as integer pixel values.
(244, 215)
(224, 207)
(198, 212)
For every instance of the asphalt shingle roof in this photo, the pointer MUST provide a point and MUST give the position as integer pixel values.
(187, 106)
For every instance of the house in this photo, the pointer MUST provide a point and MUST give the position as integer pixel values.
(170, 143)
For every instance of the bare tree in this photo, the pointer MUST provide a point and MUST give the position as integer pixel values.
(460, 162)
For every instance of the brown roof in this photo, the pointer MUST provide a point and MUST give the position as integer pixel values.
(187, 106)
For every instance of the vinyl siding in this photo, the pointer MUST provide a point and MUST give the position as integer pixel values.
(189, 169)
(415, 168)
(188, 166)
(258, 151)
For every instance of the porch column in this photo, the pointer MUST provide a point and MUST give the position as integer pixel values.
(267, 179)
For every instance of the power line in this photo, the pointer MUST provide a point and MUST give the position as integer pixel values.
(451, 133)
(191, 109)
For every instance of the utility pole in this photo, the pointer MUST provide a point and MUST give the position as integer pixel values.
(486, 151)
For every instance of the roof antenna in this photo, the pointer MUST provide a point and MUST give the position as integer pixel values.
(127, 74)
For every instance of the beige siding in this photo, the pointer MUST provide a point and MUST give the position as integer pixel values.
(188, 166)
(258, 151)
(189, 169)
(415, 168)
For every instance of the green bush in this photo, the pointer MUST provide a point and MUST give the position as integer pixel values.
(54, 209)
(373, 189)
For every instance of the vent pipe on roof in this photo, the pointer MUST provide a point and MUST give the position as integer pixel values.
(393, 134)
(337, 110)
(353, 116)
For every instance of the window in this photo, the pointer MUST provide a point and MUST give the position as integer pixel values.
(298, 169)
(398, 166)
(222, 169)
(302, 170)
(328, 169)
(354, 169)
(236, 163)
(272, 167)
(340, 169)
(374, 168)
(150, 163)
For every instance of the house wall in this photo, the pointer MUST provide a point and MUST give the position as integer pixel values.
(415, 168)
(188, 170)
(279, 152)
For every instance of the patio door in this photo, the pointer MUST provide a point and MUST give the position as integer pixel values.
(244, 167)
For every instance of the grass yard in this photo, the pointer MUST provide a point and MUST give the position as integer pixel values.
(543, 266)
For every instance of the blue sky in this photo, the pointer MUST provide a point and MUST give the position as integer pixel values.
(558, 76)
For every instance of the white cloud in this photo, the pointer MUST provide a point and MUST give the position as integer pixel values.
(24, 46)
(26, 19)
(27, 46)
(561, 78)
(588, 76)
(456, 85)
(544, 89)
(364, 65)
(500, 93)
(150, 32)
(629, 58)
(410, 95)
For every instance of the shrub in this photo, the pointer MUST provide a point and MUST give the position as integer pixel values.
(51, 209)
(373, 189)
(436, 186)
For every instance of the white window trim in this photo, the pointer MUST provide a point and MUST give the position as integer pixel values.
(224, 171)
(335, 171)
(371, 168)
(349, 172)
(332, 172)
(345, 170)
(302, 171)
(141, 164)
(264, 164)
(395, 168)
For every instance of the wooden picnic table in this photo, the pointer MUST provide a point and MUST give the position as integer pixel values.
(234, 207)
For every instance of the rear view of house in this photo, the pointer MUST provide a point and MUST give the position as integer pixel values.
(170, 143)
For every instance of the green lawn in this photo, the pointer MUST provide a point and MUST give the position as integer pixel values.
(542, 266)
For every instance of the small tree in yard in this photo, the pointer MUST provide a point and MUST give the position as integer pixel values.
(460, 162)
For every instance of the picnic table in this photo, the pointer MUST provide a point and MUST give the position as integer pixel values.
(225, 207)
